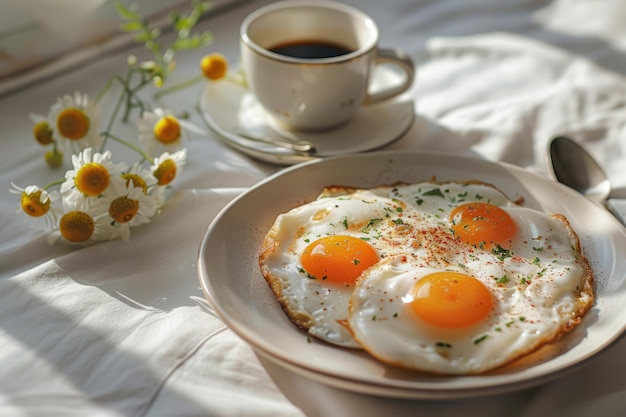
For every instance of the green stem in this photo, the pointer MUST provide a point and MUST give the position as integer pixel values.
(52, 184)
(106, 87)
(132, 98)
(178, 87)
(116, 110)
(130, 145)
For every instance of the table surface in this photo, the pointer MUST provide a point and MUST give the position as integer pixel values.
(122, 328)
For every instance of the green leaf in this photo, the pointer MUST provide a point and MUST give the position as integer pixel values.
(154, 47)
(179, 44)
(126, 13)
(175, 20)
(197, 41)
(203, 39)
(131, 26)
(143, 37)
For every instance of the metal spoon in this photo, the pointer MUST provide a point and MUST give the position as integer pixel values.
(299, 147)
(573, 166)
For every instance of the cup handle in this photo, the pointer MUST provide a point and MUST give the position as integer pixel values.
(401, 60)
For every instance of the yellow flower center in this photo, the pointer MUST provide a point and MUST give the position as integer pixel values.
(43, 133)
(92, 179)
(167, 130)
(166, 172)
(137, 181)
(123, 209)
(76, 226)
(73, 123)
(32, 205)
(214, 66)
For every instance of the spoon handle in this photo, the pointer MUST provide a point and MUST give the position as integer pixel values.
(617, 206)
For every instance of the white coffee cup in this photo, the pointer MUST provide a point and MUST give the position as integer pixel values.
(306, 88)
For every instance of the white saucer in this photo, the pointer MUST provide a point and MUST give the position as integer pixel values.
(236, 110)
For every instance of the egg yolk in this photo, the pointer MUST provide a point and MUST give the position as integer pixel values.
(482, 224)
(338, 259)
(450, 300)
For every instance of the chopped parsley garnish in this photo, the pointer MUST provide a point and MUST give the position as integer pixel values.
(503, 279)
(435, 192)
(480, 339)
(443, 345)
(303, 271)
(370, 224)
(501, 253)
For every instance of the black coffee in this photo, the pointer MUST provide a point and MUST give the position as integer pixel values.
(308, 49)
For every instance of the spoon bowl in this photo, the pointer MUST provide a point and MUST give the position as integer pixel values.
(573, 166)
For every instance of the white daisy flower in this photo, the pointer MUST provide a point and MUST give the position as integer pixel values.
(36, 203)
(140, 177)
(76, 121)
(128, 206)
(168, 166)
(93, 173)
(83, 224)
(160, 131)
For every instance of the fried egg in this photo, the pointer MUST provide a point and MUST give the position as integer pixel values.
(313, 255)
(487, 284)
(448, 278)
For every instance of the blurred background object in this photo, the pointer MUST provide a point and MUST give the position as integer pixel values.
(39, 38)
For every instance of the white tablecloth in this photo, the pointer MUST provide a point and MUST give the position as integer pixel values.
(122, 328)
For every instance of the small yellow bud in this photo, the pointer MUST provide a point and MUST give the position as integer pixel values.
(54, 158)
(214, 66)
(43, 133)
(167, 130)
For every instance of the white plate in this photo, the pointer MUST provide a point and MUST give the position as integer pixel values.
(235, 109)
(232, 282)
